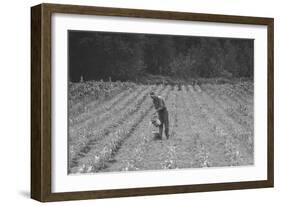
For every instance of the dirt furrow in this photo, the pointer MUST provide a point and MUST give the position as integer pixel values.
(182, 147)
(169, 158)
(199, 143)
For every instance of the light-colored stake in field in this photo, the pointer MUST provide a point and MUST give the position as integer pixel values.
(211, 125)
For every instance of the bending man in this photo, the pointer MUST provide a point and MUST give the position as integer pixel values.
(162, 112)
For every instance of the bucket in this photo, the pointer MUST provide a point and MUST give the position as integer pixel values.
(156, 135)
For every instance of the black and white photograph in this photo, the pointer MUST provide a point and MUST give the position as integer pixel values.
(156, 102)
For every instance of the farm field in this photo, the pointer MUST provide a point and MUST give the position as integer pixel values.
(211, 125)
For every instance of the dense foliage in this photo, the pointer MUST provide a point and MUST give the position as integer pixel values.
(123, 56)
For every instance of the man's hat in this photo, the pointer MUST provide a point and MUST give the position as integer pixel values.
(152, 94)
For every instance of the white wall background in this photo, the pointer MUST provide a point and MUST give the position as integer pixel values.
(15, 102)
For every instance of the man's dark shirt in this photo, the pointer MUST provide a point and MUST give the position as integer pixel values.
(159, 103)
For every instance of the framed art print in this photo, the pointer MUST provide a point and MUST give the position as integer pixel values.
(130, 102)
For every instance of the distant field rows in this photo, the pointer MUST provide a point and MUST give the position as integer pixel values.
(211, 125)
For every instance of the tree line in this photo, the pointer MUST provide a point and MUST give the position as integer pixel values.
(125, 56)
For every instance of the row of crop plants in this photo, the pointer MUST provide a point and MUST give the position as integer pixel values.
(201, 134)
